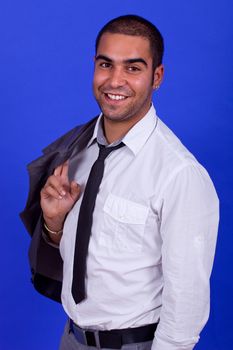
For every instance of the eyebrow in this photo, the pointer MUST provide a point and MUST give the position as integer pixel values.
(130, 60)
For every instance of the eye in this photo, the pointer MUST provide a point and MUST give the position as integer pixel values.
(105, 65)
(133, 69)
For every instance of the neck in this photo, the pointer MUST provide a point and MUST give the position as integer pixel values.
(115, 130)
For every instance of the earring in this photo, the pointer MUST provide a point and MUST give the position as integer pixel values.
(157, 87)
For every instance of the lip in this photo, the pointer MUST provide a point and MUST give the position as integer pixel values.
(114, 101)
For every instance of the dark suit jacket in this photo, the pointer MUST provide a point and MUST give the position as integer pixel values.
(45, 261)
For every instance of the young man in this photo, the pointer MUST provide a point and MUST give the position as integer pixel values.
(131, 211)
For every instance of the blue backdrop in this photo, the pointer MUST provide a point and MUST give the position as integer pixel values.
(46, 67)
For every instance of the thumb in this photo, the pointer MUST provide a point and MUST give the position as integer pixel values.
(74, 190)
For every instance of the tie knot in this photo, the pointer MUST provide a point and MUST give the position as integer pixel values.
(105, 151)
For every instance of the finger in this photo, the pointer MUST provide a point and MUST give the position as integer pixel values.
(64, 171)
(75, 190)
(58, 170)
(56, 183)
(49, 191)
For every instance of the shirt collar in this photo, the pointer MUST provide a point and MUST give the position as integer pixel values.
(140, 132)
(136, 136)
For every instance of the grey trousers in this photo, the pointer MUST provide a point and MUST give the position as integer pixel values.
(69, 342)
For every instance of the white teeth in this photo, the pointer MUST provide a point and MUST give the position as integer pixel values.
(116, 97)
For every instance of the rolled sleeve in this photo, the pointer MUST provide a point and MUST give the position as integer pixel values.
(189, 223)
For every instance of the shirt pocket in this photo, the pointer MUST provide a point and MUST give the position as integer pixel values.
(123, 224)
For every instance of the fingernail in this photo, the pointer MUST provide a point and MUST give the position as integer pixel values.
(63, 193)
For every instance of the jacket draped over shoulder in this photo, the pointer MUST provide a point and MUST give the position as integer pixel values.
(45, 260)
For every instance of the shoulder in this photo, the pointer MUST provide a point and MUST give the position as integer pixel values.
(172, 146)
(171, 154)
(70, 136)
(179, 168)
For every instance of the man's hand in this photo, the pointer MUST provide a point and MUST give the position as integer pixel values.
(58, 197)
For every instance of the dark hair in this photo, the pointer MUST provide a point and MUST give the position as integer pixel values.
(136, 26)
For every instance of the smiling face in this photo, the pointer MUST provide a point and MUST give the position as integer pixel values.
(124, 79)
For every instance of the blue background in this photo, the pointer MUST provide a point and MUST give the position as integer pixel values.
(46, 67)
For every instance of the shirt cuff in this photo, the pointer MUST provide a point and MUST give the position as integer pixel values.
(162, 342)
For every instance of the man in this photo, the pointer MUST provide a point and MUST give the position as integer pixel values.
(136, 228)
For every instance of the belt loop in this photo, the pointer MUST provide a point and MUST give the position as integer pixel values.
(97, 339)
(70, 328)
(84, 336)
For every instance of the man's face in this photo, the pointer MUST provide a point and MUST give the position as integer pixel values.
(123, 78)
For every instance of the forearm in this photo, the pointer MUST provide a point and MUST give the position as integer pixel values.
(184, 313)
(46, 264)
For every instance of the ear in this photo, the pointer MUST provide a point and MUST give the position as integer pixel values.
(158, 76)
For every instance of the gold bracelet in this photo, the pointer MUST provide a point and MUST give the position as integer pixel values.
(53, 232)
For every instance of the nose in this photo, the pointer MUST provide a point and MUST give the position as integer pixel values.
(117, 77)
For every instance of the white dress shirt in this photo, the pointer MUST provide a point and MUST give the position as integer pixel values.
(153, 238)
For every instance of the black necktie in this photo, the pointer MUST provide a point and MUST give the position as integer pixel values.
(85, 222)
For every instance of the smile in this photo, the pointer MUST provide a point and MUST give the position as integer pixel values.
(116, 97)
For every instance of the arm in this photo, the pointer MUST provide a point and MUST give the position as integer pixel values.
(189, 230)
(57, 198)
(45, 261)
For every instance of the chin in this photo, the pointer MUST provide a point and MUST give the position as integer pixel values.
(114, 117)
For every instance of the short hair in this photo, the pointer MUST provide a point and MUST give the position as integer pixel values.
(136, 26)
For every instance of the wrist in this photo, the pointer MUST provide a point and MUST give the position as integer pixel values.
(53, 232)
(53, 225)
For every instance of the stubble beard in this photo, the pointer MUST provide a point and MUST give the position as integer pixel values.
(114, 116)
(131, 112)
